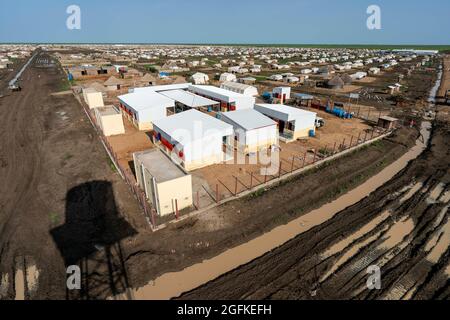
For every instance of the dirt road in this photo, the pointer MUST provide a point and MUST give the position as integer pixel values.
(404, 228)
(52, 166)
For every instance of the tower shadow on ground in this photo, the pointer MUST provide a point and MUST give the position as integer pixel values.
(91, 239)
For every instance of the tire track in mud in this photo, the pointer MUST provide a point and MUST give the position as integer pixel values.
(403, 228)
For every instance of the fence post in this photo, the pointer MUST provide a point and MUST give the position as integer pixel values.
(351, 141)
(217, 193)
(292, 164)
(304, 159)
(251, 179)
(235, 186)
(198, 200)
(153, 218)
(365, 137)
(359, 136)
(176, 208)
(334, 148)
(314, 159)
(279, 169)
(373, 130)
(265, 177)
(343, 144)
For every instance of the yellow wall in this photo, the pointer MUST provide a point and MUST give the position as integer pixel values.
(112, 125)
(94, 99)
(303, 133)
(203, 162)
(257, 147)
(179, 189)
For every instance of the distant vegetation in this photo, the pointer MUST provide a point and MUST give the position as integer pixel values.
(150, 68)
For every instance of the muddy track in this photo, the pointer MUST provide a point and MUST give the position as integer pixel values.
(403, 228)
(48, 150)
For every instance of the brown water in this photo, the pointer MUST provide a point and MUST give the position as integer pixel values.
(173, 284)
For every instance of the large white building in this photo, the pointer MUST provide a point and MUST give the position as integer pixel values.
(142, 108)
(194, 139)
(229, 100)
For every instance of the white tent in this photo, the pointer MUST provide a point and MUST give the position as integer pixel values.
(199, 78)
(227, 77)
(240, 88)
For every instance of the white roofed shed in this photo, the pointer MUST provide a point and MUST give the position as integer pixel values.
(253, 130)
(195, 139)
(293, 123)
(144, 107)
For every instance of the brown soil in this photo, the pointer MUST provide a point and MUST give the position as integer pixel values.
(404, 232)
(205, 235)
(58, 195)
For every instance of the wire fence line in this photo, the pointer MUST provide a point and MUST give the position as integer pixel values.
(125, 173)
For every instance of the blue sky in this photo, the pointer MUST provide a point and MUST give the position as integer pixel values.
(231, 21)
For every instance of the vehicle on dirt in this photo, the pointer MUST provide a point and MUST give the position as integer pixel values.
(320, 122)
(15, 88)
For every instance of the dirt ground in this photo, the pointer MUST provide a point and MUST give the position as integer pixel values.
(58, 195)
(403, 227)
(131, 141)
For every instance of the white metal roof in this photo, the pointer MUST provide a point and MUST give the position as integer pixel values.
(283, 112)
(222, 94)
(146, 99)
(249, 119)
(160, 88)
(235, 85)
(196, 125)
(159, 165)
(189, 99)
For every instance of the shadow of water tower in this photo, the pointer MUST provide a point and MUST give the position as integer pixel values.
(90, 238)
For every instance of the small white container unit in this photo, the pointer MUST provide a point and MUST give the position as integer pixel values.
(167, 187)
(253, 131)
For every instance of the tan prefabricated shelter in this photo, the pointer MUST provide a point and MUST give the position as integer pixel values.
(166, 186)
(93, 98)
(387, 122)
(109, 120)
